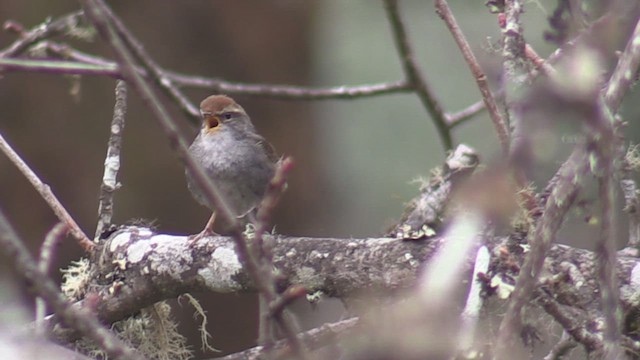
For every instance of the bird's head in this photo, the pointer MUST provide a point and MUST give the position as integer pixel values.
(220, 112)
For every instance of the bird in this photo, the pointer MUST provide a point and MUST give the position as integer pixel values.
(239, 161)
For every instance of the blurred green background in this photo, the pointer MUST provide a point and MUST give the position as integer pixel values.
(354, 159)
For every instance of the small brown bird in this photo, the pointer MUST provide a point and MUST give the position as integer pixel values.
(238, 160)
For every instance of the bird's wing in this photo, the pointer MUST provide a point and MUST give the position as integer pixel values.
(269, 149)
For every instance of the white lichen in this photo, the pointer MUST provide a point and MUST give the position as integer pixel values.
(153, 333)
(75, 279)
(222, 267)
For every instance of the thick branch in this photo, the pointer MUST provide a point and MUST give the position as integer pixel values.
(153, 267)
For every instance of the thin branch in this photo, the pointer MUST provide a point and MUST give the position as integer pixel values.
(625, 72)
(462, 116)
(632, 208)
(45, 260)
(97, 13)
(40, 32)
(81, 320)
(58, 67)
(105, 67)
(293, 92)
(264, 254)
(499, 123)
(313, 339)
(606, 155)
(112, 161)
(562, 348)
(284, 92)
(286, 298)
(49, 197)
(566, 316)
(566, 185)
(414, 76)
(606, 248)
(274, 191)
(93, 10)
(153, 69)
(541, 65)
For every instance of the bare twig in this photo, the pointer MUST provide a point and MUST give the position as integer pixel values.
(314, 339)
(462, 116)
(264, 253)
(271, 198)
(112, 161)
(632, 208)
(573, 324)
(497, 118)
(606, 248)
(93, 10)
(77, 318)
(286, 298)
(57, 67)
(66, 52)
(97, 13)
(45, 191)
(562, 348)
(540, 64)
(608, 148)
(53, 238)
(42, 31)
(152, 68)
(293, 92)
(92, 65)
(624, 74)
(546, 228)
(414, 76)
(606, 156)
(566, 185)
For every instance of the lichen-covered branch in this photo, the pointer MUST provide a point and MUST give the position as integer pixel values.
(78, 319)
(112, 161)
(137, 268)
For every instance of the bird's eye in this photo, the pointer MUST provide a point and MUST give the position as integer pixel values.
(227, 115)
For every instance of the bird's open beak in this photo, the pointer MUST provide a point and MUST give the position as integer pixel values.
(211, 122)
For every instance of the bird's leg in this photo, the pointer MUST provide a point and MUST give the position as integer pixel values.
(207, 231)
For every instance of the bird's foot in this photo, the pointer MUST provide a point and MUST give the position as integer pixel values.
(192, 239)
